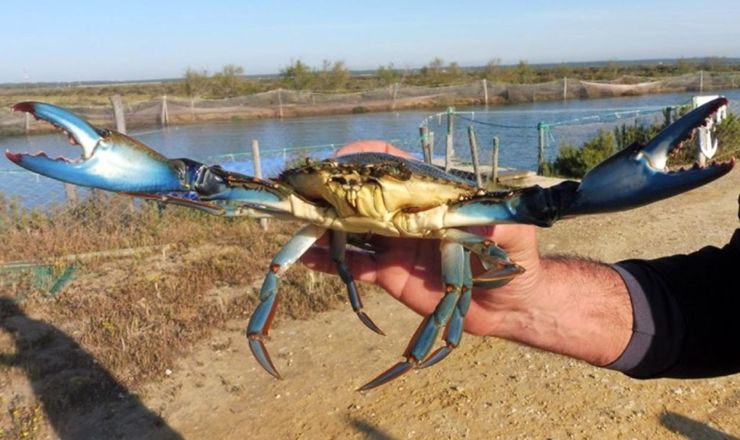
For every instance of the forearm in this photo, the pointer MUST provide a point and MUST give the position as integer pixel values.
(577, 308)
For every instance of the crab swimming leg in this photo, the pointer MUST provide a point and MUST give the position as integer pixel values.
(337, 249)
(259, 323)
(453, 272)
(454, 328)
(499, 271)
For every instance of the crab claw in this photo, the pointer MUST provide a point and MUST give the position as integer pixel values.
(110, 160)
(638, 175)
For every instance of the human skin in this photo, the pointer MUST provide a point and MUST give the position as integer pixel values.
(569, 306)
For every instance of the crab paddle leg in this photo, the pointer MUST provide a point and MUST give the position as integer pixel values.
(259, 324)
(453, 272)
(454, 329)
(337, 249)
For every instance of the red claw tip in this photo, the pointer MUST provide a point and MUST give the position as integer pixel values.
(23, 107)
(14, 157)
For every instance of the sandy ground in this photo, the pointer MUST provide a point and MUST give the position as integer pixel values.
(489, 388)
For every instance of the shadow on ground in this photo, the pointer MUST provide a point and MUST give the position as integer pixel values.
(692, 429)
(80, 398)
(370, 432)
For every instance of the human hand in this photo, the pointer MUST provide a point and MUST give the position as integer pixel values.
(409, 269)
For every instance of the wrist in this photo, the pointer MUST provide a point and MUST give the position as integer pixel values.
(570, 306)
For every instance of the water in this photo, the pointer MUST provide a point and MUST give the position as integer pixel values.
(229, 143)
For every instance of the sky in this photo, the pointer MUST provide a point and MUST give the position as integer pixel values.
(141, 40)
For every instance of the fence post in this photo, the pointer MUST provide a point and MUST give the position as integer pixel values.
(424, 134)
(164, 116)
(485, 92)
(280, 102)
(474, 155)
(541, 127)
(27, 122)
(494, 162)
(450, 150)
(701, 81)
(565, 88)
(431, 147)
(395, 93)
(118, 113)
(257, 165)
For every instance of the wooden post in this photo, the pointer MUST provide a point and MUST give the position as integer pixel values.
(565, 88)
(431, 147)
(424, 135)
(541, 151)
(118, 113)
(450, 131)
(485, 92)
(474, 155)
(395, 93)
(494, 162)
(27, 124)
(164, 117)
(701, 81)
(257, 165)
(280, 103)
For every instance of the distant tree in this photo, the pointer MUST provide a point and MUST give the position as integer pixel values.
(196, 83)
(523, 72)
(453, 72)
(715, 64)
(388, 75)
(493, 69)
(298, 76)
(333, 76)
(229, 81)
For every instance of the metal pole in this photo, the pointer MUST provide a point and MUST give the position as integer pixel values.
(257, 165)
(474, 155)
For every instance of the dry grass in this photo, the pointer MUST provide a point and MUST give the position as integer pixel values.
(135, 315)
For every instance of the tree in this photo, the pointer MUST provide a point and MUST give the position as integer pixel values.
(196, 83)
(298, 76)
(229, 81)
(493, 69)
(388, 75)
(333, 76)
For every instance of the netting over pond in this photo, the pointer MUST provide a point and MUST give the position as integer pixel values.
(284, 103)
(31, 205)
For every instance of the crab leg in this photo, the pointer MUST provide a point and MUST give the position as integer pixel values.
(499, 268)
(453, 273)
(337, 249)
(454, 329)
(259, 323)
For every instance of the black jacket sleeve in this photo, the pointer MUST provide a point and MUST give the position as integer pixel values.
(686, 314)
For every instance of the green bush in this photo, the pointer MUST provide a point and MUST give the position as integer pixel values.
(575, 162)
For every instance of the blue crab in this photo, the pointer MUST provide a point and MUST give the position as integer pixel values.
(373, 193)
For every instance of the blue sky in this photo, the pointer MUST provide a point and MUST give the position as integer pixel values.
(133, 40)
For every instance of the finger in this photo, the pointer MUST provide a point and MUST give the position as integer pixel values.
(361, 265)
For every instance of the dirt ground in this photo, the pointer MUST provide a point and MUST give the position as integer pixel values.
(488, 388)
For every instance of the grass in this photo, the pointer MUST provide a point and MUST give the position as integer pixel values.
(136, 315)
